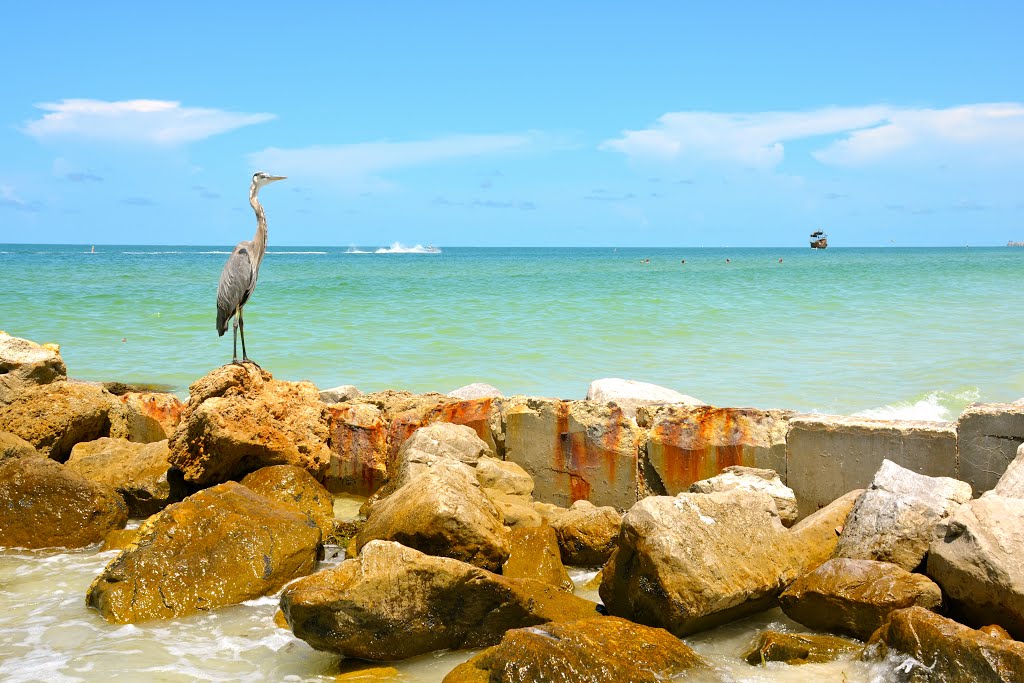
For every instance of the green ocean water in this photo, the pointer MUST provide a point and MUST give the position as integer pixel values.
(899, 332)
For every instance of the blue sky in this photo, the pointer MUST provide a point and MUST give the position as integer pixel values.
(522, 124)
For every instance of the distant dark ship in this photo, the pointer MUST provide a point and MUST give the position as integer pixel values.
(819, 240)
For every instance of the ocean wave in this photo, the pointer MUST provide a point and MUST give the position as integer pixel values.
(296, 252)
(213, 252)
(356, 250)
(936, 406)
(399, 248)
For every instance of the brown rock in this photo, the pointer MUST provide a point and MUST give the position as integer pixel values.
(145, 417)
(535, 556)
(817, 535)
(798, 648)
(945, 651)
(119, 539)
(393, 602)
(218, 547)
(996, 631)
(753, 479)
(517, 511)
(856, 596)
(295, 486)
(586, 533)
(482, 415)
(361, 672)
(504, 476)
(25, 365)
(13, 446)
(43, 504)
(358, 449)
(138, 471)
(54, 417)
(595, 650)
(239, 419)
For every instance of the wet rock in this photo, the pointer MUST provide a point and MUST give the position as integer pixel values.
(856, 596)
(698, 560)
(145, 417)
(239, 419)
(221, 546)
(817, 536)
(139, 472)
(517, 511)
(534, 555)
(585, 651)
(358, 461)
(26, 365)
(54, 417)
(798, 648)
(393, 602)
(753, 479)
(944, 651)
(475, 390)
(44, 504)
(295, 486)
(586, 533)
(13, 446)
(996, 631)
(1011, 484)
(548, 512)
(629, 394)
(900, 515)
(504, 476)
(340, 394)
(119, 539)
(978, 562)
(441, 512)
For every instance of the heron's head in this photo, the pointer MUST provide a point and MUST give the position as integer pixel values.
(261, 178)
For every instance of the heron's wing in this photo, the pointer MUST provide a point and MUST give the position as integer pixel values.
(236, 284)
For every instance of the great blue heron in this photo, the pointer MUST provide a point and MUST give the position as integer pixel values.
(238, 279)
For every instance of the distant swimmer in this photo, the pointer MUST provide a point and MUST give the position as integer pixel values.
(683, 261)
(780, 260)
(124, 339)
(728, 261)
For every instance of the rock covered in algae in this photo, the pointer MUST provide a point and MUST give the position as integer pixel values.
(296, 487)
(535, 556)
(798, 648)
(587, 533)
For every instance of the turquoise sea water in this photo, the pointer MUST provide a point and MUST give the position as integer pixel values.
(899, 332)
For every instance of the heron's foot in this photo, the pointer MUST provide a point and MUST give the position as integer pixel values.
(251, 361)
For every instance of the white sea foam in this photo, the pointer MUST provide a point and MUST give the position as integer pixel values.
(399, 248)
(937, 406)
(356, 250)
(296, 252)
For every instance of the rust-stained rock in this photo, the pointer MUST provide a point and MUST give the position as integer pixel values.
(44, 504)
(358, 449)
(596, 650)
(697, 560)
(817, 536)
(26, 365)
(535, 556)
(482, 415)
(221, 546)
(140, 472)
(944, 651)
(441, 512)
(296, 487)
(587, 533)
(54, 417)
(13, 446)
(393, 602)
(753, 479)
(856, 596)
(145, 417)
(687, 444)
(799, 648)
(239, 419)
(574, 450)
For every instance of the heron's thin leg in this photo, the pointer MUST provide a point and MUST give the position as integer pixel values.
(234, 341)
(241, 328)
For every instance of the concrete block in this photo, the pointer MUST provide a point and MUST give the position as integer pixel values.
(574, 450)
(829, 455)
(989, 435)
(358, 444)
(686, 444)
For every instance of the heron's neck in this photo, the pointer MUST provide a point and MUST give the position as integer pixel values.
(259, 240)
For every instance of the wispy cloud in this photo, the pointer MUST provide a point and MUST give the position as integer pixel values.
(860, 135)
(154, 122)
(10, 199)
(205, 192)
(138, 201)
(83, 177)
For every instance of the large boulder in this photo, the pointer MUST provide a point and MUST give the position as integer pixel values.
(753, 479)
(25, 365)
(239, 419)
(534, 555)
(140, 472)
(587, 533)
(475, 390)
(340, 394)
(817, 535)
(698, 560)
(898, 517)
(13, 446)
(944, 651)
(441, 512)
(504, 476)
(393, 602)
(54, 417)
(433, 443)
(856, 596)
(1011, 484)
(629, 394)
(586, 651)
(978, 562)
(44, 504)
(297, 488)
(146, 416)
(798, 648)
(218, 547)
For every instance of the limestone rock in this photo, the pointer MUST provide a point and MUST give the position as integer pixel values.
(547, 511)
(979, 562)
(340, 394)
(944, 651)
(817, 536)
(359, 453)
(119, 539)
(392, 602)
(517, 511)
(221, 546)
(798, 648)
(503, 476)
(239, 419)
(139, 472)
(13, 446)
(1011, 484)
(585, 651)
(629, 394)
(441, 512)
(586, 533)
(54, 417)
(25, 365)
(897, 518)
(435, 442)
(698, 560)
(145, 417)
(534, 555)
(475, 390)
(295, 486)
(753, 479)
(44, 504)
(856, 596)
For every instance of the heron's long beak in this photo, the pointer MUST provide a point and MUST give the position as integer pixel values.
(275, 178)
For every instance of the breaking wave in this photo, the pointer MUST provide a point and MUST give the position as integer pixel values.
(399, 248)
(936, 406)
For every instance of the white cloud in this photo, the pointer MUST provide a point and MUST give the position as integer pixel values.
(9, 198)
(157, 122)
(865, 134)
